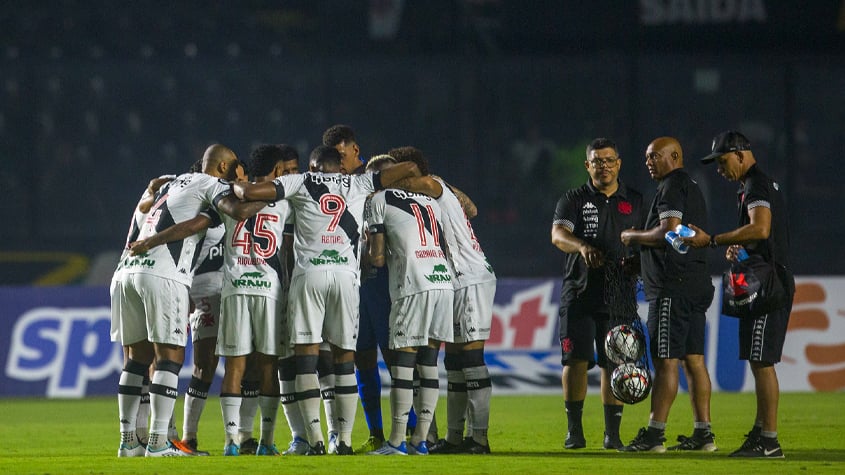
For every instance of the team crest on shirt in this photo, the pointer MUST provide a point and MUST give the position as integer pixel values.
(625, 207)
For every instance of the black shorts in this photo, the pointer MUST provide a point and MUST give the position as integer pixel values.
(761, 339)
(582, 333)
(676, 326)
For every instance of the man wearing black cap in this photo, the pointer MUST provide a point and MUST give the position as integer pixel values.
(763, 229)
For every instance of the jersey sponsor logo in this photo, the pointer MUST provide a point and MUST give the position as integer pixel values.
(590, 218)
(251, 280)
(319, 179)
(329, 256)
(439, 274)
(141, 260)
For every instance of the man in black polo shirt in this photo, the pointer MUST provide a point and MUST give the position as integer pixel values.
(679, 290)
(763, 229)
(586, 227)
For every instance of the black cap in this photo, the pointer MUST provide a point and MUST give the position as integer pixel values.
(728, 141)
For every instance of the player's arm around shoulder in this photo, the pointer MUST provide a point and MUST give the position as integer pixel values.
(389, 176)
(175, 232)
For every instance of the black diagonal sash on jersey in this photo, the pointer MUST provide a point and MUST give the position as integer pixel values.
(347, 221)
(404, 204)
(166, 220)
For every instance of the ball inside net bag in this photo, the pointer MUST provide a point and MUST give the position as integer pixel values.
(624, 344)
(630, 383)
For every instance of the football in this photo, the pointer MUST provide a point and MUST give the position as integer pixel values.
(630, 383)
(624, 344)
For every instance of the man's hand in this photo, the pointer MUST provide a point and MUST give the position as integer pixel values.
(592, 256)
(139, 247)
(701, 238)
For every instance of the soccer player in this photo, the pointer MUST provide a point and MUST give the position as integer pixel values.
(679, 291)
(586, 227)
(405, 227)
(763, 229)
(324, 297)
(470, 388)
(140, 419)
(152, 303)
(372, 328)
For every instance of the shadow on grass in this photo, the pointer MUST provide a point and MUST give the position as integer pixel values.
(807, 455)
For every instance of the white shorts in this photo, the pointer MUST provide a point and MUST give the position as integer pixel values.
(151, 308)
(115, 288)
(205, 292)
(419, 317)
(323, 305)
(473, 312)
(249, 323)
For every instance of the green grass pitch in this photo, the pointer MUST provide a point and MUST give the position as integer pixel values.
(526, 432)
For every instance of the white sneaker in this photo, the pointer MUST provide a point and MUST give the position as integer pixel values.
(298, 446)
(332, 448)
(126, 450)
(388, 449)
(168, 451)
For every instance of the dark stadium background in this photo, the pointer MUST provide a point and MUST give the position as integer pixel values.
(97, 97)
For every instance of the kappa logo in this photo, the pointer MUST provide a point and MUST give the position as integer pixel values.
(315, 421)
(400, 333)
(231, 424)
(124, 421)
(178, 331)
(425, 411)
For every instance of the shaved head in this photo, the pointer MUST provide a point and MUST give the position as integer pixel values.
(663, 155)
(220, 161)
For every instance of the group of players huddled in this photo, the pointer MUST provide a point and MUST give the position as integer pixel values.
(297, 279)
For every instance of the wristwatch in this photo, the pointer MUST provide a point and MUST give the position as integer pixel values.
(713, 241)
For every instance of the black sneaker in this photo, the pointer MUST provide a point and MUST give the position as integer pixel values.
(612, 441)
(470, 446)
(702, 440)
(759, 447)
(249, 446)
(646, 441)
(445, 447)
(317, 449)
(343, 449)
(574, 440)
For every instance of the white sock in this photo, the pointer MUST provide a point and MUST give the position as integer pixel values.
(269, 408)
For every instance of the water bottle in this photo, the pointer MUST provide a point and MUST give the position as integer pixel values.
(674, 238)
(741, 255)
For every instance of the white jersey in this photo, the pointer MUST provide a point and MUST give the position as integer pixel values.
(329, 211)
(135, 224)
(254, 263)
(184, 198)
(411, 226)
(469, 264)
